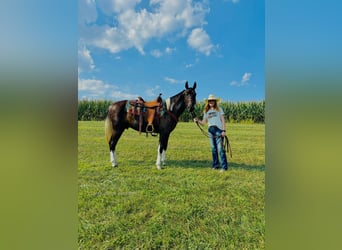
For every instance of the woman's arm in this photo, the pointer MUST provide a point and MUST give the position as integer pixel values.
(204, 121)
(223, 122)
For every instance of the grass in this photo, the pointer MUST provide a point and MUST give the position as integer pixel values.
(186, 205)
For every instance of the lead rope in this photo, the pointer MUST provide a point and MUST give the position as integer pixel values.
(226, 144)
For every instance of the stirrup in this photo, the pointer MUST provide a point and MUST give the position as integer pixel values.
(149, 126)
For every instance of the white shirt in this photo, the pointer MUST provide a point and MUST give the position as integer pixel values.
(214, 117)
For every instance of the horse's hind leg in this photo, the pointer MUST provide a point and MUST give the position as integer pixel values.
(112, 144)
(113, 158)
(113, 134)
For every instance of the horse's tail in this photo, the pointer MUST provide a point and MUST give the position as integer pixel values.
(108, 128)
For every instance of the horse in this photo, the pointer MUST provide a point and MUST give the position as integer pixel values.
(119, 118)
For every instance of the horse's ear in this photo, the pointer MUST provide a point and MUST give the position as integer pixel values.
(194, 85)
(186, 85)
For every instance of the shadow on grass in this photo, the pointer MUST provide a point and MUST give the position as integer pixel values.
(207, 164)
(197, 164)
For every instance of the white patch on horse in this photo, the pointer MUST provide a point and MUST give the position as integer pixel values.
(113, 158)
(160, 158)
(163, 158)
(168, 100)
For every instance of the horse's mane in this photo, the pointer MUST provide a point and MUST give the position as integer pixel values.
(177, 96)
(171, 101)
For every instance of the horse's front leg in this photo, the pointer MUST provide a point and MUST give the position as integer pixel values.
(160, 157)
(163, 140)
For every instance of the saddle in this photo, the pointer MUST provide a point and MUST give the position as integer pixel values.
(146, 109)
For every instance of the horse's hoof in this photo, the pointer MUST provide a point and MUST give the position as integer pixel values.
(115, 166)
(159, 167)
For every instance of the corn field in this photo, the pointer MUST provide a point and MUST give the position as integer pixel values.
(235, 112)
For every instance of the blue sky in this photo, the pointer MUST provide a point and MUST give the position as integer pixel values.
(130, 48)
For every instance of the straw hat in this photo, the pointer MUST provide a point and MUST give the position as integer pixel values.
(212, 97)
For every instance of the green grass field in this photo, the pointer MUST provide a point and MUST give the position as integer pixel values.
(187, 205)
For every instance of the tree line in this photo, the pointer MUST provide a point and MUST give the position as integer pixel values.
(235, 112)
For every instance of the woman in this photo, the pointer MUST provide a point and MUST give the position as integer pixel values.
(216, 130)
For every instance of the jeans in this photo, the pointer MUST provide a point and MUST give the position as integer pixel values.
(216, 144)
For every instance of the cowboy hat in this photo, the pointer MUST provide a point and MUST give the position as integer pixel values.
(212, 97)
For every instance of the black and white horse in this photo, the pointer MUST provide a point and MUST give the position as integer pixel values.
(117, 121)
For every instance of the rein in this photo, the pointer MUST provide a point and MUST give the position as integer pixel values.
(173, 116)
(226, 144)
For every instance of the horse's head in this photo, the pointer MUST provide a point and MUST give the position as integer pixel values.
(190, 96)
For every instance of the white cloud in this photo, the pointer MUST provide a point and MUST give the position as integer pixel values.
(116, 6)
(153, 92)
(110, 38)
(190, 65)
(99, 89)
(170, 80)
(246, 77)
(92, 85)
(234, 83)
(200, 40)
(156, 53)
(87, 11)
(244, 80)
(233, 1)
(119, 95)
(85, 61)
(134, 27)
(169, 50)
(173, 81)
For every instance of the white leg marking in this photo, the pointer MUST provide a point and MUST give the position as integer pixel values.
(163, 158)
(113, 158)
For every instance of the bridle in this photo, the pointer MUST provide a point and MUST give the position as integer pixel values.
(225, 140)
